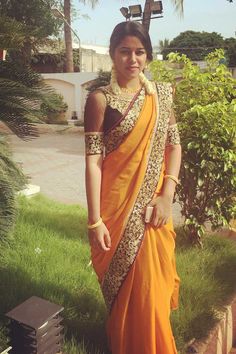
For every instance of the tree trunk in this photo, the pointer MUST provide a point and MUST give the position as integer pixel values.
(147, 15)
(68, 37)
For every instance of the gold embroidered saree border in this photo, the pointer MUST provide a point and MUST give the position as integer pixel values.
(131, 240)
(173, 137)
(94, 143)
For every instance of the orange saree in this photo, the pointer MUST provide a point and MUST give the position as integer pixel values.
(138, 275)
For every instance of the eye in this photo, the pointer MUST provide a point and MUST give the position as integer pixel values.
(124, 51)
(140, 52)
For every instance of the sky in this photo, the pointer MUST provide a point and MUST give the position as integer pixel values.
(199, 15)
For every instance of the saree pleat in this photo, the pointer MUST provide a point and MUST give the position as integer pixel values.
(138, 321)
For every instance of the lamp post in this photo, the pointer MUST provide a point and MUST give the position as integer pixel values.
(57, 13)
(135, 11)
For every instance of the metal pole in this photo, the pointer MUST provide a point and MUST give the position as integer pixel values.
(147, 15)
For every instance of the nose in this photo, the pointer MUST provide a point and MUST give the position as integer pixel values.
(133, 57)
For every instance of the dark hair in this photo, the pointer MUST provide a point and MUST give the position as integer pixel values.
(130, 28)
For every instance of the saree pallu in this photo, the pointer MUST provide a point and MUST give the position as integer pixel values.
(138, 275)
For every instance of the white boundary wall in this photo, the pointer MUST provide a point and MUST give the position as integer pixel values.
(72, 86)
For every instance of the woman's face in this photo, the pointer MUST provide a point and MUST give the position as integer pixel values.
(129, 58)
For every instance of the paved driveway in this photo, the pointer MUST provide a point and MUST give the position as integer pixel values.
(55, 162)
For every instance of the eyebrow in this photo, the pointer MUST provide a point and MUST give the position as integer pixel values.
(141, 48)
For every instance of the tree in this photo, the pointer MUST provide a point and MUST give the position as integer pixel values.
(196, 45)
(205, 107)
(67, 32)
(163, 45)
(21, 93)
(230, 47)
(37, 20)
(12, 33)
(68, 37)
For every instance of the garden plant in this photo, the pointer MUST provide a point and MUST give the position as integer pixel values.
(205, 108)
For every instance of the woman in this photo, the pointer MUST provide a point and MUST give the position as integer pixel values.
(132, 162)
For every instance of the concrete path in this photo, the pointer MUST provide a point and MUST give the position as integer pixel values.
(55, 162)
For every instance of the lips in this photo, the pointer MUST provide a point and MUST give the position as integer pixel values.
(131, 68)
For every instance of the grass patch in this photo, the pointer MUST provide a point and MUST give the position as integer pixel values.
(49, 257)
(207, 284)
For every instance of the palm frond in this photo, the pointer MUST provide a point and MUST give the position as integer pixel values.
(179, 6)
(17, 103)
(12, 33)
(92, 3)
(22, 92)
(11, 180)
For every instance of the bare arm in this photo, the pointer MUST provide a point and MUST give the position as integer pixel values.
(94, 115)
(172, 167)
(93, 178)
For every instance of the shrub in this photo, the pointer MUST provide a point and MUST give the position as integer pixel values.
(54, 108)
(103, 79)
(205, 107)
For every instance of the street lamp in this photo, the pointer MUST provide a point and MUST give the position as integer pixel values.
(135, 11)
(125, 12)
(57, 13)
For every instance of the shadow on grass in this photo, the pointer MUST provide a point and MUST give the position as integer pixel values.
(224, 270)
(66, 223)
(183, 241)
(84, 316)
(208, 276)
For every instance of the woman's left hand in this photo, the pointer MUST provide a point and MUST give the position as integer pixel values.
(161, 210)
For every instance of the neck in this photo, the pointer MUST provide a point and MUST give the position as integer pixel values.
(117, 83)
(132, 85)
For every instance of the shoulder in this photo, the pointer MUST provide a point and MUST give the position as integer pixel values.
(94, 111)
(96, 99)
(100, 94)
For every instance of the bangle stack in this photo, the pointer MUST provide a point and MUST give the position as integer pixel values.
(175, 179)
(93, 226)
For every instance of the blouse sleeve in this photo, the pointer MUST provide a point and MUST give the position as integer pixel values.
(173, 137)
(93, 123)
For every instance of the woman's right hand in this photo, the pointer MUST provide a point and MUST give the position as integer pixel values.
(100, 237)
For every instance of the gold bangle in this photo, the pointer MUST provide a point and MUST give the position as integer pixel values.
(175, 179)
(93, 226)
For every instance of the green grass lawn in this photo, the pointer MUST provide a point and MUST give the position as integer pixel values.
(49, 257)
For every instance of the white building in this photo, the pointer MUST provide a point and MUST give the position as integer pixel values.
(72, 86)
